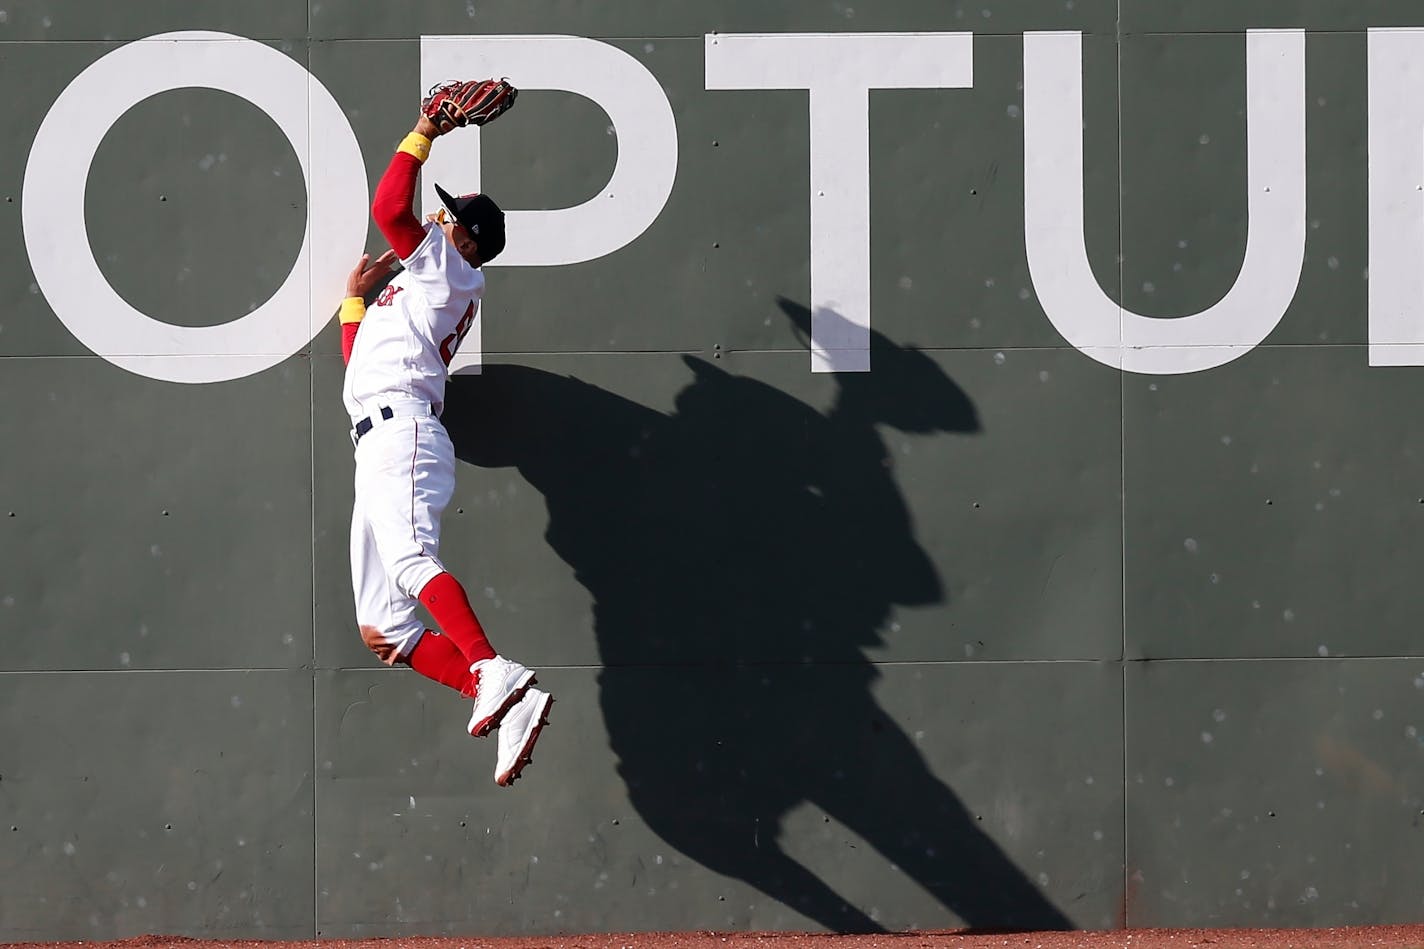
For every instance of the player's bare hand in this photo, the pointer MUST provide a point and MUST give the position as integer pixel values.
(360, 281)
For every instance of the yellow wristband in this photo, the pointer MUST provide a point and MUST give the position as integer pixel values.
(353, 310)
(417, 145)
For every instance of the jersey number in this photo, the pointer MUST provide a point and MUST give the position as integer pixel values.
(453, 341)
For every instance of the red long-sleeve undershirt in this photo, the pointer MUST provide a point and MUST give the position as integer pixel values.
(348, 341)
(391, 210)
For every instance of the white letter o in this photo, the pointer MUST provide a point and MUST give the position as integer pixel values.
(57, 173)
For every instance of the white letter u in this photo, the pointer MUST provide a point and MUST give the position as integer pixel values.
(1053, 214)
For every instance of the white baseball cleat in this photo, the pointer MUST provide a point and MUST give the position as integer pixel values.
(518, 733)
(500, 685)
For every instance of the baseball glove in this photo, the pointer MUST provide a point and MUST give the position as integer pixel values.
(456, 104)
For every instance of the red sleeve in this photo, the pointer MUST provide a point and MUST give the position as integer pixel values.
(391, 208)
(348, 340)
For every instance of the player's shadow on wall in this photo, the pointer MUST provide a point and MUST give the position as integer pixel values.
(742, 554)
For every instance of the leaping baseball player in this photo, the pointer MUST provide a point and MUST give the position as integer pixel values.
(397, 358)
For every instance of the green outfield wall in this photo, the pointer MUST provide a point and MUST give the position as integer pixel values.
(955, 463)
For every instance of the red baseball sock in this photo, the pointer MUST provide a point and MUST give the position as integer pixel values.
(445, 599)
(435, 657)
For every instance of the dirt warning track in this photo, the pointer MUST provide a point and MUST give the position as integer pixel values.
(1360, 937)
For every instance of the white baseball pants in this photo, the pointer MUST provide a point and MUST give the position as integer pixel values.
(405, 476)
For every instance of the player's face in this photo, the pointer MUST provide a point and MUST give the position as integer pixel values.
(458, 237)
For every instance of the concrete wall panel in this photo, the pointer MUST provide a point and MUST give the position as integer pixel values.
(140, 802)
(36, 73)
(1273, 793)
(153, 525)
(1273, 560)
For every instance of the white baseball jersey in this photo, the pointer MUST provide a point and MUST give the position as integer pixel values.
(404, 346)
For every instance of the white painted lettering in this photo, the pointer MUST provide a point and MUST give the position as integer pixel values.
(57, 174)
(1396, 115)
(1053, 214)
(839, 70)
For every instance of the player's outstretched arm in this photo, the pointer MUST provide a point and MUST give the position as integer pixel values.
(395, 195)
(353, 309)
(449, 106)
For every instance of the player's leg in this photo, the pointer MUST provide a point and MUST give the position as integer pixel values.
(406, 475)
(387, 620)
(385, 616)
(446, 600)
(435, 657)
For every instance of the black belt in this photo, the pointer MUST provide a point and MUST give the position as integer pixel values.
(366, 424)
(402, 409)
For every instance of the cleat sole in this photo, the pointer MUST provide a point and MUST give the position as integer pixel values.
(526, 755)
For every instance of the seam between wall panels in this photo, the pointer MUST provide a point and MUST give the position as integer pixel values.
(311, 422)
(1122, 471)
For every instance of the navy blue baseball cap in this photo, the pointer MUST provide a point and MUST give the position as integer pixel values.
(478, 214)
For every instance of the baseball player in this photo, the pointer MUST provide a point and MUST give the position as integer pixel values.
(397, 357)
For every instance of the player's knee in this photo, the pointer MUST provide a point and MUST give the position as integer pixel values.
(387, 650)
(412, 575)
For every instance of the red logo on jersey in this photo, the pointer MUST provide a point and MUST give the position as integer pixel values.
(388, 295)
(453, 341)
